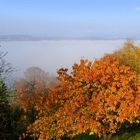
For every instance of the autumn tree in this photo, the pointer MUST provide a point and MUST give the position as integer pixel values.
(93, 99)
(30, 89)
(34, 84)
(28, 93)
(129, 55)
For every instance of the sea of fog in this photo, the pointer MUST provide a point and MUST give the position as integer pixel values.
(54, 54)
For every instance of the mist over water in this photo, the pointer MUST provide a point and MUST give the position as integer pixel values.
(54, 54)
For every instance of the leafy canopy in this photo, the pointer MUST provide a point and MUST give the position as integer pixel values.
(93, 99)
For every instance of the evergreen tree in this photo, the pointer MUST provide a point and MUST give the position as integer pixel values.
(5, 119)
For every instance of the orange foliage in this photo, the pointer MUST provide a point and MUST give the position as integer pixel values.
(95, 98)
(29, 93)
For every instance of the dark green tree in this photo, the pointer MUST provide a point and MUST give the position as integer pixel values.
(5, 112)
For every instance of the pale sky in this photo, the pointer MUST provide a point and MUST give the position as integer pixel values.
(70, 18)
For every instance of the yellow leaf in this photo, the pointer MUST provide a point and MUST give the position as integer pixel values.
(91, 133)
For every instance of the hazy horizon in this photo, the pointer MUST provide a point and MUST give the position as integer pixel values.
(52, 55)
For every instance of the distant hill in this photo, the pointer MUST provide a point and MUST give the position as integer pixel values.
(35, 38)
(18, 38)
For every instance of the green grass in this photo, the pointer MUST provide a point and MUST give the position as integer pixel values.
(124, 136)
(127, 136)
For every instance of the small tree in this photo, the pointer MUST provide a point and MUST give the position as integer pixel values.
(35, 75)
(5, 68)
(30, 88)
